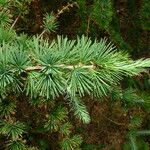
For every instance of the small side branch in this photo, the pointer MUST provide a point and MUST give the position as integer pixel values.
(117, 123)
(15, 22)
(88, 26)
(67, 7)
(42, 33)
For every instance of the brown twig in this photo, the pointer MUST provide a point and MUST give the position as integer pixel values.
(64, 8)
(88, 26)
(15, 22)
(42, 33)
(117, 123)
(70, 67)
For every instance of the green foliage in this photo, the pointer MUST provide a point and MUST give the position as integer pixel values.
(50, 23)
(115, 34)
(7, 108)
(79, 109)
(16, 145)
(71, 143)
(102, 12)
(21, 6)
(5, 20)
(18, 59)
(145, 96)
(57, 123)
(135, 143)
(130, 98)
(4, 3)
(136, 121)
(145, 14)
(58, 116)
(92, 13)
(143, 145)
(86, 146)
(13, 130)
(6, 36)
(8, 77)
(65, 129)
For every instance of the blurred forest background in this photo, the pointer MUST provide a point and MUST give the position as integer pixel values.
(125, 22)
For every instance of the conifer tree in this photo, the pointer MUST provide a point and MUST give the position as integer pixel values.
(56, 76)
